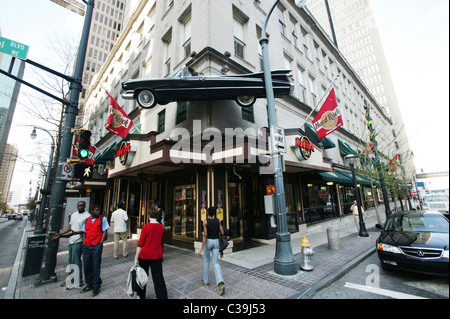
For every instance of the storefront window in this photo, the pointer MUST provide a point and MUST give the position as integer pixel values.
(347, 196)
(320, 202)
(291, 211)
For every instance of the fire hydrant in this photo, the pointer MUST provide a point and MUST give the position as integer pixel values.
(307, 254)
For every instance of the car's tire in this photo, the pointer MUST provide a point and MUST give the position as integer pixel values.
(146, 99)
(245, 100)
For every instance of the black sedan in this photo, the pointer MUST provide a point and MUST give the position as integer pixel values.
(415, 241)
(187, 85)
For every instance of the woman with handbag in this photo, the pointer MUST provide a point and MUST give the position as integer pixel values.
(149, 254)
(210, 242)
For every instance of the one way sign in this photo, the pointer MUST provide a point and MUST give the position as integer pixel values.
(277, 139)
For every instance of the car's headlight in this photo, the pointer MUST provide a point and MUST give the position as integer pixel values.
(389, 248)
(445, 254)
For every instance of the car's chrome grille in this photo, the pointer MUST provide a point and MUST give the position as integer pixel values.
(422, 252)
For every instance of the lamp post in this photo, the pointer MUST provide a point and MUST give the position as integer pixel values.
(284, 261)
(47, 272)
(351, 159)
(39, 226)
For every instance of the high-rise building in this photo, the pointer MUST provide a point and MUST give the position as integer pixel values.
(7, 170)
(9, 91)
(358, 38)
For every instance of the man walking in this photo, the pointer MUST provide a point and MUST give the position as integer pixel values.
(120, 219)
(95, 230)
(73, 231)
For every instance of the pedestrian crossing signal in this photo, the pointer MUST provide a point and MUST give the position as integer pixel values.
(83, 171)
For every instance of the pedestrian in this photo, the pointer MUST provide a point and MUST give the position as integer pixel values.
(149, 254)
(74, 233)
(210, 242)
(354, 209)
(120, 219)
(95, 229)
(160, 218)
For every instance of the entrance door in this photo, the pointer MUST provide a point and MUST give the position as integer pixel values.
(184, 214)
(235, 209)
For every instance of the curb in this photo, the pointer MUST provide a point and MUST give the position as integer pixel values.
(339, 273)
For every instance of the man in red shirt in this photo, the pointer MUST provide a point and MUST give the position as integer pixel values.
(95, 229)
(149, 254)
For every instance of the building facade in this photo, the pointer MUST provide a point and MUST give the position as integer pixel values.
(196, 154)
(359, 41)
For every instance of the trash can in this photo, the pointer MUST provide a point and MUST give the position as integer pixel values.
(334, 242)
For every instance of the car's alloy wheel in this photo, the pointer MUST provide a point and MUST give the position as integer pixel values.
(146, 99)
(245, 100)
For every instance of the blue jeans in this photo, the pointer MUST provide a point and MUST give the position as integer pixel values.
(211, 245)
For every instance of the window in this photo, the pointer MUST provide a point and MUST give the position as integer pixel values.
(162, 121)
(181, 112)
(303, 35)
(281, 21)
(302, 91)
(313, 92)
(239, 23)
(239, 43)
(293, 27)
(167, 39)
(248, 114)
(185, 21)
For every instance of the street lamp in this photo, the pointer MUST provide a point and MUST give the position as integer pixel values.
(351, 159)
(39, 226)
(284, 261)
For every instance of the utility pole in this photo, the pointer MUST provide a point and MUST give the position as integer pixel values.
(47, 273)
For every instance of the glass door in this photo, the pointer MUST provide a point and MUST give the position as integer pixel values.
(184, 214)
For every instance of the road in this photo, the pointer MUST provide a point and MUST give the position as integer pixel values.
(369, 281)
(11, 232)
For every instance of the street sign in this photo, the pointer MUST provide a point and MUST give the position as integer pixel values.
(13, 48)
(277, 139)
(67, 172)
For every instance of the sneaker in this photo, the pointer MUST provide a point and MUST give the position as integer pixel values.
(221, 288)
(205, 284)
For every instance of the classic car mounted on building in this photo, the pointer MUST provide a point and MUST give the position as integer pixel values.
(187, 85)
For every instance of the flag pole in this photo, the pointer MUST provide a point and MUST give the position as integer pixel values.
(318, 103)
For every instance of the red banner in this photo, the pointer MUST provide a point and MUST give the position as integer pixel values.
(329, 118)
(119, 123)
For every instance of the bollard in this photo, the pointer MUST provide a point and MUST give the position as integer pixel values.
(334, 242)
(307, 254)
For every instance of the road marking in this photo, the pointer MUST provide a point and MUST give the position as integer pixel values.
(384, 292)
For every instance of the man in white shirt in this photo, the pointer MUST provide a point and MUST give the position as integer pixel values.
(73, 231)
(119, 219)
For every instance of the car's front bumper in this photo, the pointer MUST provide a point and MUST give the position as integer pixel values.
(128, 95)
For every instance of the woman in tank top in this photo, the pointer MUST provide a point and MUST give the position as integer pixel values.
(210, 242)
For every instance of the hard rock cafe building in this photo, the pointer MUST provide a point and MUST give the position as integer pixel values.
(210, 168)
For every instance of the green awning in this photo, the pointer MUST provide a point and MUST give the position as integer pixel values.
(359, 179)
(326, 142)
(324, 177)
(345, 149)
(108, 154)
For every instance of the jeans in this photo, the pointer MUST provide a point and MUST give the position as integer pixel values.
(124, 237)
(75, 251)
(157, 276)
(92, 259)
(211, 245)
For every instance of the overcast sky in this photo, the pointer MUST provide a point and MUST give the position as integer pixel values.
(415, 37)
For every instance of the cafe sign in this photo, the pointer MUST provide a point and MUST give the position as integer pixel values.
(302, 148)
(126, 153)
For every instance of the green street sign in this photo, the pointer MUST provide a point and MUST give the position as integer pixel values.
(14, 48)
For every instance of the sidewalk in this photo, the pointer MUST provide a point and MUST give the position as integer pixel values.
(248, 273)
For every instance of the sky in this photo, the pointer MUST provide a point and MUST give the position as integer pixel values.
(416, 44)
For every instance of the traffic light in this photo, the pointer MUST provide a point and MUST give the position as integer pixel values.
(82, 171)
(83, 144)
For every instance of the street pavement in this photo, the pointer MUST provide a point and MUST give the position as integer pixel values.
(248, 274)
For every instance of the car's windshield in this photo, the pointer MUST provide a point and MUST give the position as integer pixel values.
(418, 223)
(441, 198)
